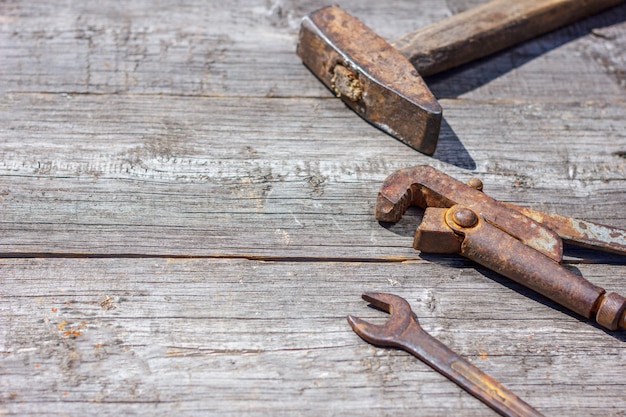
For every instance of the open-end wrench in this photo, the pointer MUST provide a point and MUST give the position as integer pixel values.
(404, 332)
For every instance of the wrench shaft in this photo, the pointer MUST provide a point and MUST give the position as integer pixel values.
(463, 373)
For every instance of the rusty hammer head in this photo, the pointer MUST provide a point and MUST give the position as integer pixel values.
(371, 76)
(379, 82)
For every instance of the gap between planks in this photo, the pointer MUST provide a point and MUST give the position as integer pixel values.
(261, 258)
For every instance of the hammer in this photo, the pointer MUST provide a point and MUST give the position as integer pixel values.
(382, 82)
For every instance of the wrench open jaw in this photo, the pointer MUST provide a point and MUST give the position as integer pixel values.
(522, 244)
(384, 334)
(403, 331)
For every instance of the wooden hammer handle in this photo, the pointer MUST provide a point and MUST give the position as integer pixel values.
(489, 28)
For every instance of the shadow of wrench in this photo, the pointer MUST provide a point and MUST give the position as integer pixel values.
(404, 332)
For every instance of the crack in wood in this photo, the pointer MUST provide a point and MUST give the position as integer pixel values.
(262, 258)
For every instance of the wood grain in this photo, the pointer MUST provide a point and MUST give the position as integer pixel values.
(236, 336)
(187, 215)
(183, 176)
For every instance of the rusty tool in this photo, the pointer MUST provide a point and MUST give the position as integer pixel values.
(382, 82)
(522, 244)
(403, 331)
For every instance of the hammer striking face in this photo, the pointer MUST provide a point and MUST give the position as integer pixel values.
(370, 76)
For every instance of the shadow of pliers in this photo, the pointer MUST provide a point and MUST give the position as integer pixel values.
(523, 244)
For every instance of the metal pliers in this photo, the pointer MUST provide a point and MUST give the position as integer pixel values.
(522, 244)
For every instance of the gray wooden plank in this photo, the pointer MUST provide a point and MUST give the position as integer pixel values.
(191, 176)
(246, 48)
(237, 337)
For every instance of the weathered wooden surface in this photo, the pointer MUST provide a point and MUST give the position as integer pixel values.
(187, 215)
